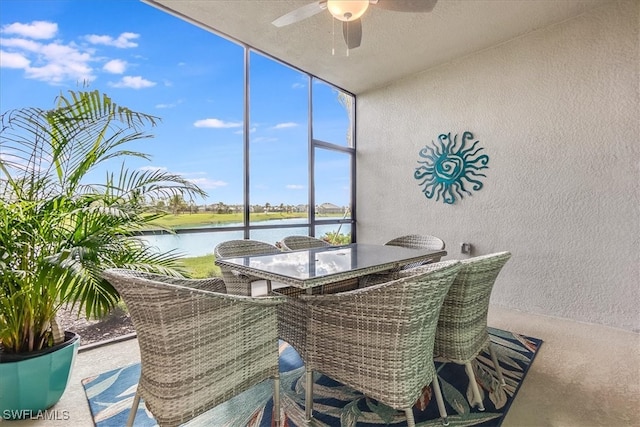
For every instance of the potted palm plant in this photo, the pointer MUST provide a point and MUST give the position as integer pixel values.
(59, 229)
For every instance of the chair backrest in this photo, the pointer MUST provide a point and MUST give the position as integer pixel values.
(293, 243)
(240, 284)
(392, 324)
(418, 241)
(192, 348)
(462, 327)
(232, 248)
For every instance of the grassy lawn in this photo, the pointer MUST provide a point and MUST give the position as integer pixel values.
(201, 267)
(207, 218)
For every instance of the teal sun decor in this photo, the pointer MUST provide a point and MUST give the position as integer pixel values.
(446, 168)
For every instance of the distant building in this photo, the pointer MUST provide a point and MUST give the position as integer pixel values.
(329, 208)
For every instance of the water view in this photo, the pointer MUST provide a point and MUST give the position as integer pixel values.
(202, 242)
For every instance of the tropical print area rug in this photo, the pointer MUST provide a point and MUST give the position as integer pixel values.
(111, 394)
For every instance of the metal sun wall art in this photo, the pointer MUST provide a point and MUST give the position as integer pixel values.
(446, 168)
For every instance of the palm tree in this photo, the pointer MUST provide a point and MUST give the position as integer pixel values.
(177, 203)
(222, 208)
(58, 229)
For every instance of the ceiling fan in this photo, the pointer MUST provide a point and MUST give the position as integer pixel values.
(350, 12)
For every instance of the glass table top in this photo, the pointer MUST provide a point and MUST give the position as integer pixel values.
(309, 264)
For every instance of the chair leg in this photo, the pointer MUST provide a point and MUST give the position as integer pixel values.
(411, 422)
(474, 386)
(134, 410)
(308, 400)
(276, 400)
(496, 365)
(440, 401)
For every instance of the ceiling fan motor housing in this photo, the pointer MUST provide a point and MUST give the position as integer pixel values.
(347, 10)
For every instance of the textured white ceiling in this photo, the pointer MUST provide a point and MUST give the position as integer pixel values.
(394, 44)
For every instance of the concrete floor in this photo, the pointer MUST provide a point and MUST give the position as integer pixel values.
(584, 375)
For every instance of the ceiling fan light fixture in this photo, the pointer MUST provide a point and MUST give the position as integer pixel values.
(347, 10)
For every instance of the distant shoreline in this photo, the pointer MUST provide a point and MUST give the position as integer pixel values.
(203, 219)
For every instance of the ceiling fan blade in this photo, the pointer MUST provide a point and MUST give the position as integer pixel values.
(301, 13)
(352, 32)
(407, 5)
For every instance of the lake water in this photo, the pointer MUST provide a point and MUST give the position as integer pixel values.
(202, 243)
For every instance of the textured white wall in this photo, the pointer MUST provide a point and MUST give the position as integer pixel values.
(557, 111)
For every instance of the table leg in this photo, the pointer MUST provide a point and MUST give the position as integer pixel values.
(268, 287)
(308, 398)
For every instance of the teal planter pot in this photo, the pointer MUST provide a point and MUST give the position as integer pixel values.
(33, 382)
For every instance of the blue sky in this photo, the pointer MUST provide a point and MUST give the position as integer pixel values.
(155, 63)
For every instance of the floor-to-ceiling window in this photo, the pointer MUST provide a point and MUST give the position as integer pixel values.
(333, 160)
(300, 153)
(278, 150)
(278, 147)
(271, 145)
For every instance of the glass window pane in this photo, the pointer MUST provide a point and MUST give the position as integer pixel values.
(278, 140)
(336, 234)
(275, 235)
(191, 244)
(207, 148)
(332, 184)
(332, 114)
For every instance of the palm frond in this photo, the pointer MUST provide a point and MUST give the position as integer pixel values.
(62, 231)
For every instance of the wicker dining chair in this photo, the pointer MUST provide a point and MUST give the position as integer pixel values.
(238, 283)
(294, 243)
(418, 241)
(198, 346)
(462, 327)
(410, 241)
(379, 340)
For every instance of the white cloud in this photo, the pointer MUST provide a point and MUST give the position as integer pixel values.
(294, 187)
(13, 60)
(22, 44)
(170, 105)
(53, 63)
(133, 82)
(285, 125)
(207, 184)
(298, 85)
(153, 168)
(216, 123)
(115, 66)
(56, 73)
(11, 159)
(123, 41)
(34, 30)
(185, 174)
(62, 63)
(59, 62)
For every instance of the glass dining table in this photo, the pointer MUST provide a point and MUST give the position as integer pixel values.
(308, 268)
